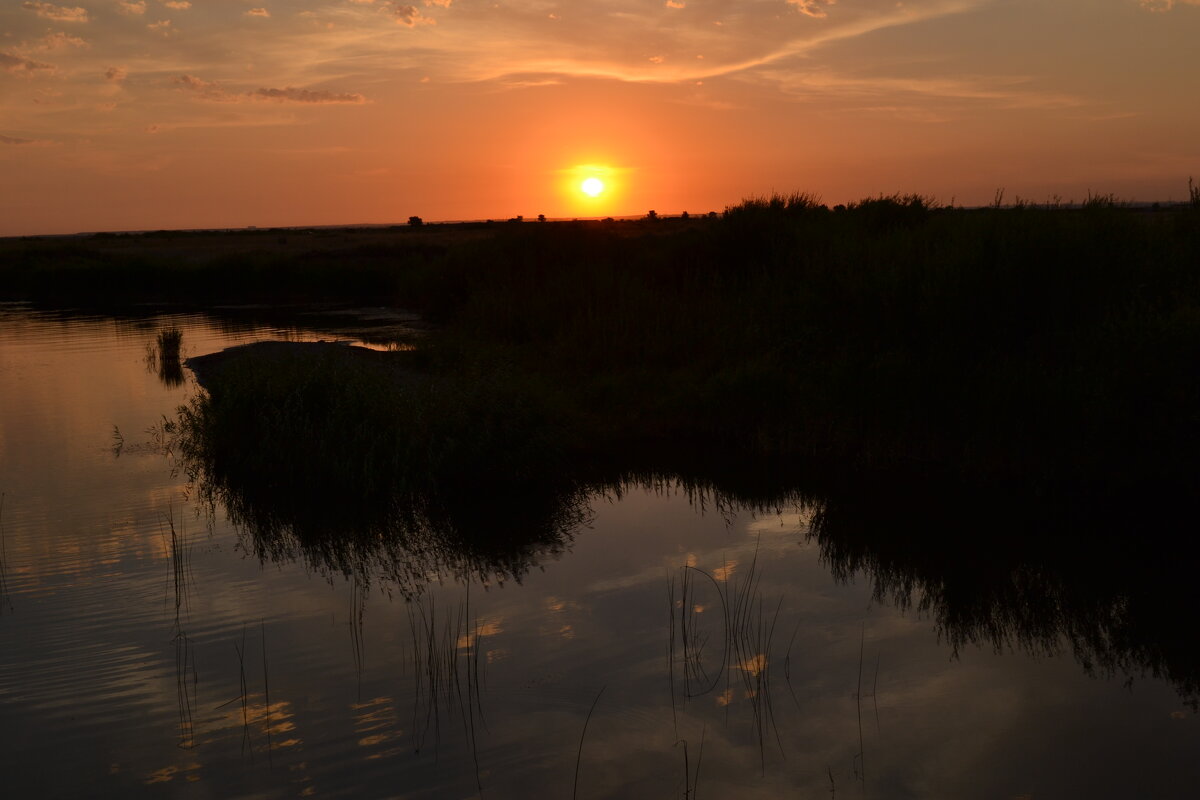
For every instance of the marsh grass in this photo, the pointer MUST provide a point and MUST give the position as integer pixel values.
(891, 334)
(746, 656)
(448, 673)
(178, 549)
(163, 355)
(370, 471)
(1051, 347)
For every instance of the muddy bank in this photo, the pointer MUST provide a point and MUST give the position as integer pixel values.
(211, 368)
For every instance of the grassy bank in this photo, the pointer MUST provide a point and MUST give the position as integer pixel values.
(1048, 347)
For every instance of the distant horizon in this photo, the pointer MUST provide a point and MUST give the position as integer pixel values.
(1064, 203)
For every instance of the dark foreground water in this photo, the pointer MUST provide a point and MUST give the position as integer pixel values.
(662, 643)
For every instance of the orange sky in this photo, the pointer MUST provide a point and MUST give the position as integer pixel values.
(137, 114)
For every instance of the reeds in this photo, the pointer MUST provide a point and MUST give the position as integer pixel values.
(5, 602)
(582, 737)
(169, 341)
(447, 671)
(747, 649)
(163, 355)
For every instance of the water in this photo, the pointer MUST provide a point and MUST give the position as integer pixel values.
(149, 647)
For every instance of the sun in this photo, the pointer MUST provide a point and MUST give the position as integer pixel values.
(592, 187)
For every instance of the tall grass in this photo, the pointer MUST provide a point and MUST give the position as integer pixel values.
(1049, 346)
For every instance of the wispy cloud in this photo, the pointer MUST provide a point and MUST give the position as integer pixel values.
(1166, 5)
(1001, 91)
(133, 8)
(215, 92)
(56, 13)
(14, 140)
(59, 41)
(20, 65)
(408, 16)
(178, 5)
(812, 8)
(258, 12)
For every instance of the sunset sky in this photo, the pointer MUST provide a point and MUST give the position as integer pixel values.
(143, 114)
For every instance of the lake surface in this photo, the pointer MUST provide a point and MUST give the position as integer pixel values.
(667, 641)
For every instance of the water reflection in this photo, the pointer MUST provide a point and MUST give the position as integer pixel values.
(164, 356)
(1041, 574)
(1109, 579)
(357, 512)
(139, 656)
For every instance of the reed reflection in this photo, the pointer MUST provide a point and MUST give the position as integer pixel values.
(359, 467)
(373, 472)
(1109, 580)
(163, 356)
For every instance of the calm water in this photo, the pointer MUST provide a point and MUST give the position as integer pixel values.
(149, 649)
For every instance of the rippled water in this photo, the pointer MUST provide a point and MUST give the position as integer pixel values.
(147, 650)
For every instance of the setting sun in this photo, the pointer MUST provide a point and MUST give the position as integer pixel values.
(592, 187)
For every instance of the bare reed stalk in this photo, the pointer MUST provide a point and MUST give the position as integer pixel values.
(266, 686)
(4, 601)
(582, 736)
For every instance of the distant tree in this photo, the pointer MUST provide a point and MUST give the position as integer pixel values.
(414, 221)
(541, 217)
(684, 215)
(652, 215)
(712, 215)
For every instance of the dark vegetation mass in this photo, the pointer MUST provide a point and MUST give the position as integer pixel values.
(1052, 348)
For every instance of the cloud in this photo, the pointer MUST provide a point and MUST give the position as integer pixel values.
(60, 41)
(214, 92)
(14, 140)
(117, 74)
(133, 8)
(409, 16)
(258, 12)
(675, 4)
(293, 95)
(24, 66)
(163, 26)
(56, 13)
(812, 8)
(1165, 5)
(439, 3)
(998, 90)
(178, 5)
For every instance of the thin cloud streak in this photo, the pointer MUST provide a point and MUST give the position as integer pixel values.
(56, 13)
(214, 92)
(20, 65)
